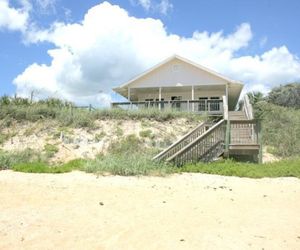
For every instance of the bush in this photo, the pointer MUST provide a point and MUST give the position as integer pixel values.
(146, 133)
(50, 150)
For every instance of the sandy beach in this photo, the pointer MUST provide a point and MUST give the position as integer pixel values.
(188, 211)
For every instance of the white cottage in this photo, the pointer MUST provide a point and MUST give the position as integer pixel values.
(183, 85)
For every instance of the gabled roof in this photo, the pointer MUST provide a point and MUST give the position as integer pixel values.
(181, 59)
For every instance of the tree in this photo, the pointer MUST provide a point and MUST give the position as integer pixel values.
(286, 95)
(255, 97)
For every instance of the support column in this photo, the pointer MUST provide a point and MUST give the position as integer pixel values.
(228, 127)
(159, 98)
(226, 91)
(128, 95)
(193, 96)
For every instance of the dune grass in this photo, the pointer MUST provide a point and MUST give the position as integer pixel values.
(43, 167)
(21, 109)
(127, 157)
(283, 168)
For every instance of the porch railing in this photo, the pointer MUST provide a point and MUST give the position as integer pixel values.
(198, 106)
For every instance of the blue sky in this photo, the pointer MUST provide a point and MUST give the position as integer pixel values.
(42, 49)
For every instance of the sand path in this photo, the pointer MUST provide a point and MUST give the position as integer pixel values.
(188, 211)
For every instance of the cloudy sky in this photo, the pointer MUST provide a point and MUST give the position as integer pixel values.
(79, 50)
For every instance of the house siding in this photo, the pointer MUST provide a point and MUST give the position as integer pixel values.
(176, 73)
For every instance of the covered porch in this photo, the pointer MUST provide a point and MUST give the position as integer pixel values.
(199, 99)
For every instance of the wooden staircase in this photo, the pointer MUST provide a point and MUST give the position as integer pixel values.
(236, 134)
(204, 143)
(237, 116)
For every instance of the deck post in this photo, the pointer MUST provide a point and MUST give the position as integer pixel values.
(259, 137)
(227, 138)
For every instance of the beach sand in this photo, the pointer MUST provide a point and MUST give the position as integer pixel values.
(183, 211)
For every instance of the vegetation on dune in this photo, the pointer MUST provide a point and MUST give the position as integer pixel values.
(21, 109)
(44, 167)
(9, 159)
(126, 162)
(281, 129)
(286, 95)
(127, 157)
(283, 168)
(279, 112)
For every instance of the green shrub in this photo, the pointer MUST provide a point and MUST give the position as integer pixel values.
(146, 133)
(50, 150)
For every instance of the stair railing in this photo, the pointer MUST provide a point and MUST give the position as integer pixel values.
(182, 142)
(247, 108)
(211, 141)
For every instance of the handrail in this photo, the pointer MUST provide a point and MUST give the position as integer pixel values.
(248, 108)
(181, 142)
(194, 143)
(171, 101)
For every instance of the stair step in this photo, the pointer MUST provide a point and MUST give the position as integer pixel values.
(237, 115)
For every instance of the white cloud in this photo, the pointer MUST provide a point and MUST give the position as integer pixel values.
(45, 6)
(108, 47)
(163, 7)
(146, 4)
(263, 41)
(14, 18)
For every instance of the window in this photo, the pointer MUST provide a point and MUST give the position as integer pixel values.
(149, 103)
(202, 104)
(214, 105)
(176, 102)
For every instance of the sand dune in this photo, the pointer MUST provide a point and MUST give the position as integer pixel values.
(188, 211)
